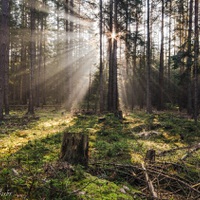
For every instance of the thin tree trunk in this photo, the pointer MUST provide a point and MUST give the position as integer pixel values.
(189, 59)
(196, 62)
(23, 99)
(148, 90)
(115, 81)
(6, 79)
(135, 78)
(63, 87)
(32, 61)
(110, 79)
(4, 50)
(44, 66)
(169, 47)
(71, 53)
(40, 61)
(101, 100)
(57, 83)
(161, 67)
(127, 37)
(23, 77)
(6, 72)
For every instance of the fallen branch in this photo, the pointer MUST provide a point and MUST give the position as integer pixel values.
(163, 153)
(177, 179)
(149, 182)
(191, 151)
(178, 185)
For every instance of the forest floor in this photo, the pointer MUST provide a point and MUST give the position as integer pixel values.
(119, 166)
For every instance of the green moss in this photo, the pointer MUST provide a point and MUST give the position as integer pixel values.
(31, 149)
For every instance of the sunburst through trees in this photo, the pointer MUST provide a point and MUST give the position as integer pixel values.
(100, 55)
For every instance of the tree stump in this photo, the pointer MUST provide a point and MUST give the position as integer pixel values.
(150, 156)
(74, 148)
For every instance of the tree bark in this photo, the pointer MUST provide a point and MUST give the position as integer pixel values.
(44, 88)
(169, 47)
(74, 148)
(4, 53)
(101, 98)
(189, 59)
(196, 60)
(148, 90)
(110, 79)
(32, 61)
(113, 82)
(161, 67)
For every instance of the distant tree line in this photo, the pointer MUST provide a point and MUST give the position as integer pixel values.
(159, 66)
(150, 58)
(42, 44)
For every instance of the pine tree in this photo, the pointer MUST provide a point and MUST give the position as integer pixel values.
(148, 66)
(4, 55)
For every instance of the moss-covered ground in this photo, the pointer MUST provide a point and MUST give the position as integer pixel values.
(30, 149)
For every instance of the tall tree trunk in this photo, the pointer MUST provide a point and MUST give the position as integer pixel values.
(23, 77)
(57, 77)
(71, 69)
(23, 60)
(115, 81)
(101, 98)
(40, 61)
(6, 72)
(196, 58)
(161, 67)
(181, 26)
(6, 79)
(113, 85)
(32, 61)
(63, 86)
(148, 90)
(110, 79)
(44, 64)
(38, 64)
(127, 37)
(189, 59)
(4, 51)
(169, 46)
(135, 77)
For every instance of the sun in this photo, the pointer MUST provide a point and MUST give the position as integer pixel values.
(113, 35)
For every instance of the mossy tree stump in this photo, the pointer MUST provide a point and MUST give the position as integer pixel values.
(150, 156)
(74, 148)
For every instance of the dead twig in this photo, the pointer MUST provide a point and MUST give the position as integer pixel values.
(149, 182)
(191, 151)
(177, 185)
(177, 179)
(163, 153)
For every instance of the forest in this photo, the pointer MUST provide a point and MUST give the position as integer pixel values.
(99, 99)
